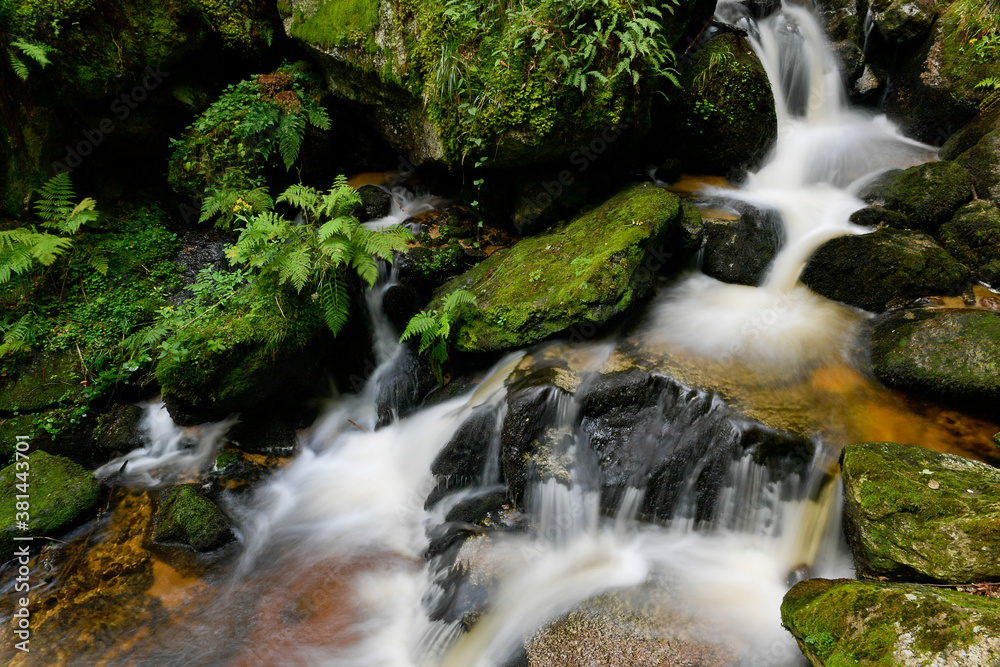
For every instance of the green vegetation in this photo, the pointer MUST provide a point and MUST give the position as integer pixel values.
(434, 327)
(34, 51)
(226, 151)
(190, 518)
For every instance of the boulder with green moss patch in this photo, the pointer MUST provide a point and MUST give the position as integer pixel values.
(927, 194)
(726, 108)
(844, 622)
(951, 355)
(912, 513)
(60, 495)
(903, 21)
(187, 517)
(453, 82)
(886, 268)
(973, 238)
(584, 272)
(983, 162)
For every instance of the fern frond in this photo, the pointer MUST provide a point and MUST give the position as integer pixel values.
(335, 303)
(295, 266)
(291, 130)
(421, 323)
(56, 197)
(458, 299)
(19, 67)
(301, 196)
(35, 50)
(99, 262)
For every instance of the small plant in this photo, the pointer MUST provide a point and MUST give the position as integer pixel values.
(24, 248)
(320, 253)
(33, 51)
(435, 329)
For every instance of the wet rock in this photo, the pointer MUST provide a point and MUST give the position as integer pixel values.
(879, 216)
(983, 162)
(268, 436)
(482, 510)
(844, 24)
(741, 251)
(187, 517)
(933, 92)
(973, 238)
(953, 355)
(401, 302)
(120, 430)
(928, 194)
(544, 197)
(912, 513)
(903, 21)
(760, 9)
(375, 203)
(885, 268)
(586, 271)
(403, 388)
(846, 622)
(462, 461)
(726, 108)
(45, 381)
(971, 133)
(62, 494)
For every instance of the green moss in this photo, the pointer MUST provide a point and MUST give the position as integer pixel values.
(912, 512)
(973, 238)
(61, 493)
(927, 194)
(338, 23)
(843, 622)
(585, 271)
(188, 517)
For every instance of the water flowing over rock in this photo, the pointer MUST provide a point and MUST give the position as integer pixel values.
(949, 354)
(886, 268)
(844, 622)
(914, 514)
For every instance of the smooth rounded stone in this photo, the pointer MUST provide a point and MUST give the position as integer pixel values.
(726, 107)
(973, 238)
(741, 251)
(845, 622)
(927, 194)
(400, 302)
(886, 268)
(951, 355)
(375, 203)
(187, 517)
(971, 133)
(914, 514)
(61, 495)
(879, 216)
(584, 272)
(403, 388)
(461, 463)
(903, 21)
(983, 162)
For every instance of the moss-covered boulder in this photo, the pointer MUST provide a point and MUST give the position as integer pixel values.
(973, 238)
(885, 268)
(845, 622)
(934, 91)
(243, 359)
(60, 495)
(844, 24)
(726, 108)
(928, 194)
(190, 518)
(586, 271)
(948, 354)
(912, 513)
(517, 84)
(45, 381)
(903, 21)
(983, 162)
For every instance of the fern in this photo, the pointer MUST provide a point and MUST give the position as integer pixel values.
(20, 336)
(291, 130)
(228, 204)
(434, 328)
(36, 51)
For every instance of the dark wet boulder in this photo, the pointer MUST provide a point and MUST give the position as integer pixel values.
(741, 251)
(903, 21)
(375, 203)
(187, 517)
(844, 24)
(879, 216)
(983, 162)
(61, 494)
(120, 429)
(928, 194)
(846, 622)
(584, 272)
(912, 513)
(952, 355)
(973, 238)
(464, 460)
(269, 435)
(402, 389)
(726, 108)
(885, 268)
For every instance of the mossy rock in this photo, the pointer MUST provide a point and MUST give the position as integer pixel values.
(46, 381)
(912, 513)
(927, 194)
(417, 66)
(62, 494)
(741, 251)
(886, 268)
(973, 238)
(243, 359)
(844, 23)
(934, 90)
(952, 355)
(585, 271)
(187, 517)
(843, 622)
(727, 108)
(983, 162)
(903, 21)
